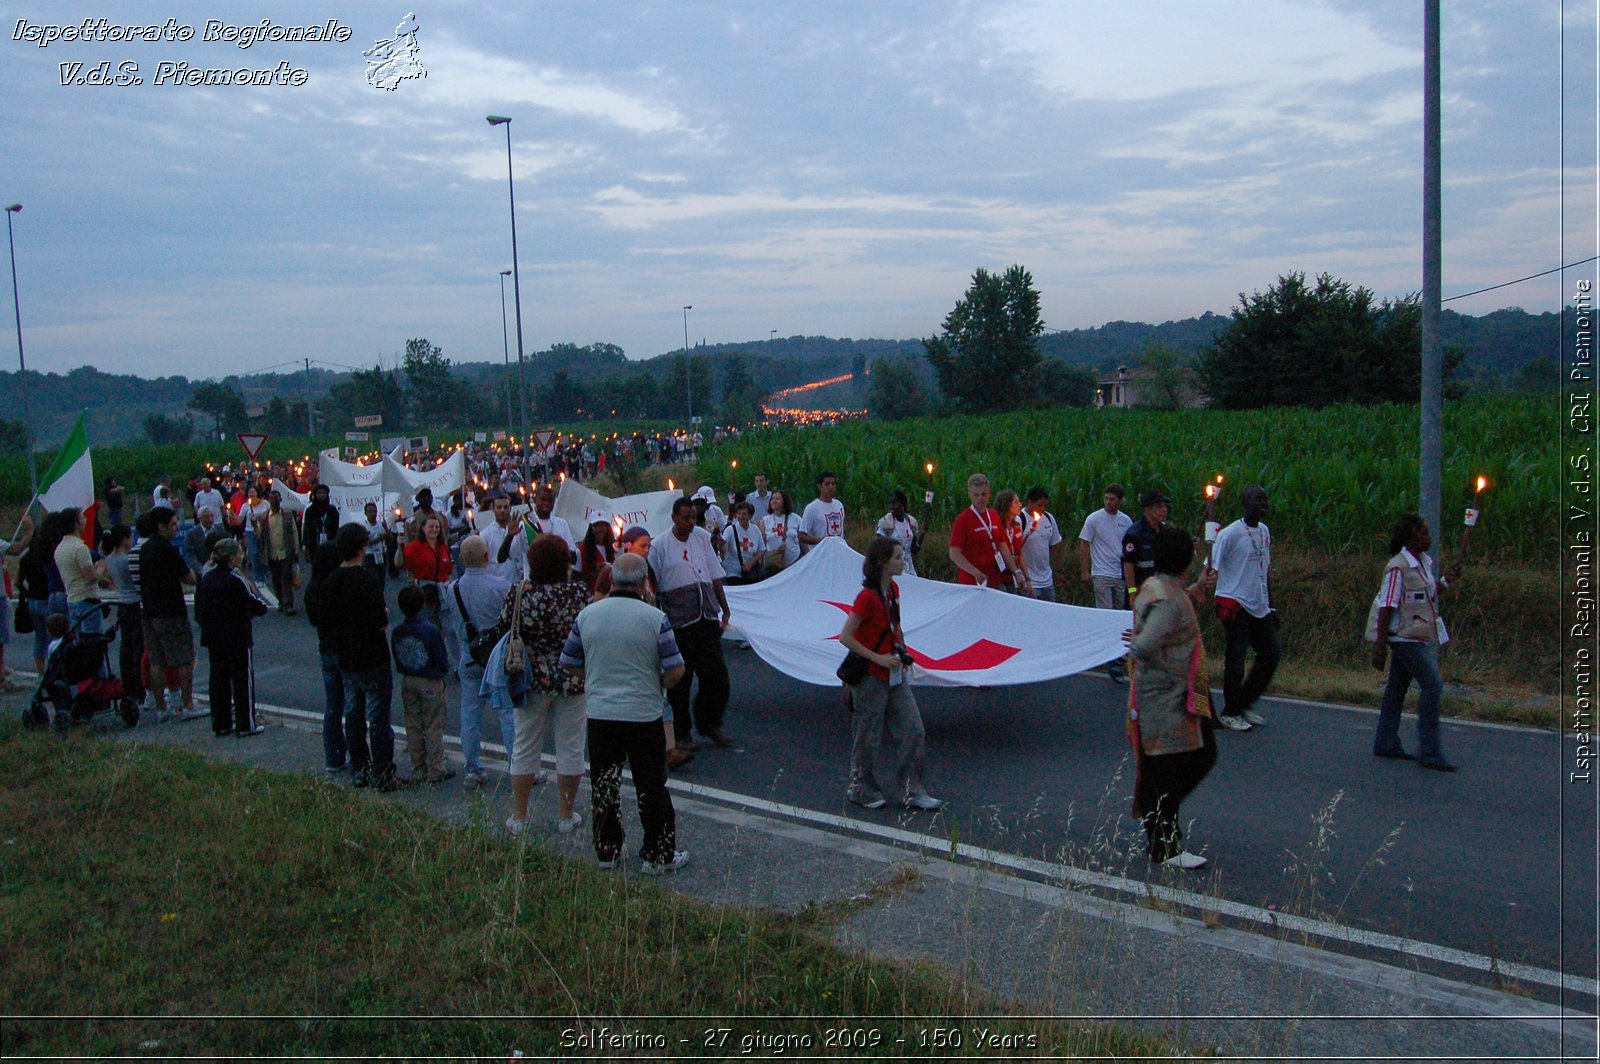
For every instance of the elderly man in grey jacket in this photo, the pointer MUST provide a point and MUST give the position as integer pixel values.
(481, 594)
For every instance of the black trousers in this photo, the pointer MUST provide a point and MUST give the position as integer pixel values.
(231, 708)
(1248, 633)
(1165, 780)
(701, 646)
(130, 648)
(643, 747)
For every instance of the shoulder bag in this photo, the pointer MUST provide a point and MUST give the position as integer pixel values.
(516, 652)
(479, 644)
(853, 669)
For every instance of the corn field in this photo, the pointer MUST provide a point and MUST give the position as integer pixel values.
(1337, 477)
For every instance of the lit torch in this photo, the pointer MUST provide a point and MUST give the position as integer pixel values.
(1213, 493)
(1470, 520)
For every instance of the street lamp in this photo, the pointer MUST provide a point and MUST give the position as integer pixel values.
(22, 363)
(688, 376)
(516, 290)
(505, 345)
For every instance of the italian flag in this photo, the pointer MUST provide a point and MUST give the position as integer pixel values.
(70, 479)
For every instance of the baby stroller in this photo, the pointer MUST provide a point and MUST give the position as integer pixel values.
(78, 683)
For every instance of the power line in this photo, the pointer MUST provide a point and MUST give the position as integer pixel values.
(1519, 280)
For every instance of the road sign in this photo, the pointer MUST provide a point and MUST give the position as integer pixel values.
(480, 437)
(351, 452)
(358, 437)
(368, 421)
(542, 437)
(252, 442)
(500, 435)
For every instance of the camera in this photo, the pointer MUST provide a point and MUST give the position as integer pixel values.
(904, 655)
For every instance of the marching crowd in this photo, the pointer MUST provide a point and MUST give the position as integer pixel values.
(613, 642)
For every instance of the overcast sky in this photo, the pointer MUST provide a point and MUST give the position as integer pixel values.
(806, 167)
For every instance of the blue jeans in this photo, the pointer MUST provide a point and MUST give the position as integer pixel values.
(85, 618)
(333, 744)
(257, 557)
(40, 610)
(1407, 662)
(472, 704)
(367, 728)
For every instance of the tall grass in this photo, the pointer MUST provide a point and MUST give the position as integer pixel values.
(1337, 476)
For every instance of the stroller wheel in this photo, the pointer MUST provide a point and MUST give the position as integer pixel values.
(37, 714)
(128, 710)
(62, 721)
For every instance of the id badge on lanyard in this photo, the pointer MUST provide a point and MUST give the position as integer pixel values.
(983, 523)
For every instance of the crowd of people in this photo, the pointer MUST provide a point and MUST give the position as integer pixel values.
(612, 642)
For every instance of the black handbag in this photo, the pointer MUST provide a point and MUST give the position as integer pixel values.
(479, 644)
(22, 618)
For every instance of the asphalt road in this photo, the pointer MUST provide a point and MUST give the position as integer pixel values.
(1297, 815)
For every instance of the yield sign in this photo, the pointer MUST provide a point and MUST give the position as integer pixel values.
(252, 442)
(542, 437)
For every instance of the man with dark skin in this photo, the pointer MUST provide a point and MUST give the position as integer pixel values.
(1242, 558)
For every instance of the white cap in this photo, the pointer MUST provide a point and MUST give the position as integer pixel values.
(704, 492)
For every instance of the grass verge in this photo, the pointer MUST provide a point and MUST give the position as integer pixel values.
(153, 903)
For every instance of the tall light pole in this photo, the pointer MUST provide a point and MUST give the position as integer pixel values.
(1432, 391)
(516, 291)
(688, 375)
(505, 344)
(22, 363)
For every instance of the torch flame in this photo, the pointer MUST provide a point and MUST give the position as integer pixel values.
(670, 485)
(1482, 483)
(930, 468)
(1211, 491)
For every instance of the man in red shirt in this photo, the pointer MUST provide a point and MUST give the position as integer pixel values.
(977, 542)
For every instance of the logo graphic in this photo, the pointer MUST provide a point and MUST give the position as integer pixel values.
(392, 61)
(975, 657)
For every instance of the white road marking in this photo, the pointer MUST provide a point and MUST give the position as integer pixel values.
(935, 846)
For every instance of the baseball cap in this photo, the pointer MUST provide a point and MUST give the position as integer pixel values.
(1154, 498)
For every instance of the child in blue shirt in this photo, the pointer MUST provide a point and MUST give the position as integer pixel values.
(420, 658)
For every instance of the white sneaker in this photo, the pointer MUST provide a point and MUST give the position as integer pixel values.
(679, 859)
(568, 824)
(922, 801)
(1185, 860)
(1254, 718)
(1233, 722)
(514, 825)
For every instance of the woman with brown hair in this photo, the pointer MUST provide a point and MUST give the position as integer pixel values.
(1169, 701)
(543, 608)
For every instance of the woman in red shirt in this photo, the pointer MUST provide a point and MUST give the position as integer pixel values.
(428, 556)
(883, 700)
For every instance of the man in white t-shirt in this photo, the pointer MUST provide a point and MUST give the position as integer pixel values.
(509, 564)
(1100, 559)
(824, 515)
(1041, 545)
(1242, 557)
(208, 498)
(373, 558)
(689, 591)
(542, 521)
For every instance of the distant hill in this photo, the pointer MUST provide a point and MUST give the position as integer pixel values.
(1497, 345)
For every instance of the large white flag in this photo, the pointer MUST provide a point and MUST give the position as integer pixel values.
(960, 636)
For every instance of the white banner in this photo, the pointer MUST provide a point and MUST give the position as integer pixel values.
(651, 510)
(960, 636)
(351, 486)
(449, 475)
